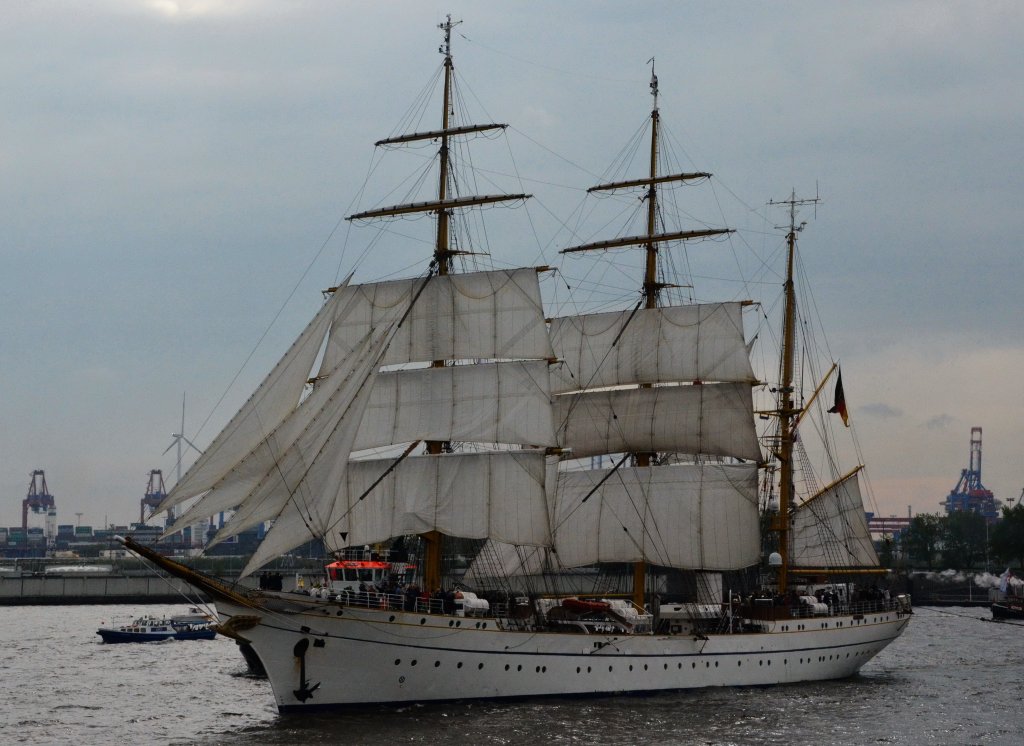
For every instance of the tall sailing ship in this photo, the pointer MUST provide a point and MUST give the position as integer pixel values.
(600, 471)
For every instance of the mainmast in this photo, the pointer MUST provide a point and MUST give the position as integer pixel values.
(788, 411)
(443, 207)
(651, 242)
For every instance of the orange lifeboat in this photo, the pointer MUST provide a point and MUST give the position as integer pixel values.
(583, 606)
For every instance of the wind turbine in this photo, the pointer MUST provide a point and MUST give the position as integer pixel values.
(176, 440)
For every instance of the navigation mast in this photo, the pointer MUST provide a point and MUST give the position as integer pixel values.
(650, 241)
(787, 411)
(442, 264)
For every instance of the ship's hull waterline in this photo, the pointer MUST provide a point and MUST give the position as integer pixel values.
(354, 656)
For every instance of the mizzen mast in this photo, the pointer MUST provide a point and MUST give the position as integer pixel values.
(443, 206)
(788, 411)
(651, 242)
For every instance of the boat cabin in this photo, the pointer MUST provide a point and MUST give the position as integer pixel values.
(347, 575)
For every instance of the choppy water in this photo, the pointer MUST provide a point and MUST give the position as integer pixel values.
(953, 678)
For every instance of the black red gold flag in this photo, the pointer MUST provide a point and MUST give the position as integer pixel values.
(840, 405)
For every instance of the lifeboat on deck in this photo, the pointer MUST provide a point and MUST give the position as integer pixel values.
(584, 606)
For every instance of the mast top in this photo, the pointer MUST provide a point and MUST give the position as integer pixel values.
(446, 46)
(793, 203)
(654, 84)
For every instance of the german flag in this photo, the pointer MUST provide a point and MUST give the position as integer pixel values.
(840, 405)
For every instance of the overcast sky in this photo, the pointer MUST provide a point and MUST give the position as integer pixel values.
(173, 171)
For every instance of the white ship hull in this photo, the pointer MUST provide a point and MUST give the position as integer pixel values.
(354, 656)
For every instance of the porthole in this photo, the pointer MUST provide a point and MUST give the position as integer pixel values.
(507, 666)
(398, 661)
(459, 664)
(519, 668)
(479, 666)
(437, 663)
(390, 618)
(413, 663)
(423, 621)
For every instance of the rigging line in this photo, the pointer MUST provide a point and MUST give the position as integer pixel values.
(578, 397)
(552, 68)
(586, 497)
(378, 480)
(263, 336)
(659, 544)
(557, 155)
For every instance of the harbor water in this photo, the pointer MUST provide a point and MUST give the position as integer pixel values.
(953, 678)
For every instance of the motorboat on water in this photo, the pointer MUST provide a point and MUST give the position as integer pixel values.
(193, 625)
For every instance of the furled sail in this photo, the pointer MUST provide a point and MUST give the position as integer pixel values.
(694, 516)
(713, 419)
(652, 345)
(830, 529)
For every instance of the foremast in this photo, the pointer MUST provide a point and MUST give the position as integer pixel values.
(651, 242)
(442, 263)
(788, 412)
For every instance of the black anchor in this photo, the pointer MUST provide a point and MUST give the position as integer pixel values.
(305, 691)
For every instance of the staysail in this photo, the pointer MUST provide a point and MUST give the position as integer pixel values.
(830, 529)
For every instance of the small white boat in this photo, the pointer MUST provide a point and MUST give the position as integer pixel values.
(194, 625)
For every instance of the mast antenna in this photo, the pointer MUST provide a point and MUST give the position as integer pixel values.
(447, 26)
(654, 83)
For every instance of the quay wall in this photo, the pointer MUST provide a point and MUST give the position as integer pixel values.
(38, 589)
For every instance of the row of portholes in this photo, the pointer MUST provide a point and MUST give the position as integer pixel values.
(824, 625)
(437, 664)
(579, 669)
(451, 622)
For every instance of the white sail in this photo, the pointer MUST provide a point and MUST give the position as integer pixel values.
(657, 345)
(273, 400)
(695, 516)
(300, 497)
(494, 315)
(472, 495)
(713, 419)
(272, 463)
(831, 529)
(485, 403)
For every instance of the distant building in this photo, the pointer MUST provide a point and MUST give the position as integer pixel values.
(893, 526)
